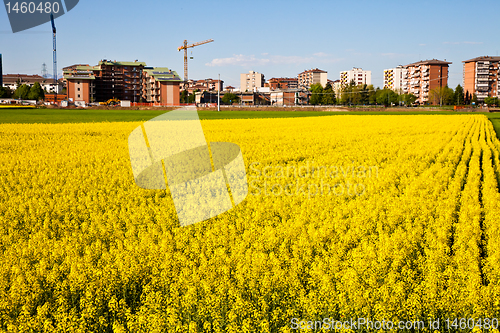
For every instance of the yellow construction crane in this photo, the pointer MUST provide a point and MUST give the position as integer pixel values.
(185, 47)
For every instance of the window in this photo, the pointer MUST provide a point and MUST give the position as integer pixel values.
(78, 95)
(78, 89)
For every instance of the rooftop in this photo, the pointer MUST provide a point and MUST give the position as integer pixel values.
(483, 58)
(429, 62)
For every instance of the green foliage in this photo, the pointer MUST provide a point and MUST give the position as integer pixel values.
(407, 99)
(328, 95)
(36, 92)
(317, 94)
(184, 96)
(387, 97)
(22, 92)
(230, 98)
(491, 101)
(441, 96)
(474, 99)
(5, 92)
(458, 96)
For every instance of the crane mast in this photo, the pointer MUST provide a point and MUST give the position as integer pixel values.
(54, 56)
(184, 47)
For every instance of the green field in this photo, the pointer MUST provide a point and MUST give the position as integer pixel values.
(54, 116)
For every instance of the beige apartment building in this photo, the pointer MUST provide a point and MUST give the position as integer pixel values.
(312, 76)
(481, 77)
(424, 76)
(394, 78)
(251, 81)
(358, 75)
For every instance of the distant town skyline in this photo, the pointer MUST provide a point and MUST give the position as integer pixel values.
(275, 38)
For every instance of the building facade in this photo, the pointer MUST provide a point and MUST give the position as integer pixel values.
(481, 76)
(160, 85)
(312, 76)
(358, 75)
(204, 85)
(119, 79)
(12, 81)
(80, 83)
(424, 76)
(251, 80)
(126, 81)
(395, 78)
(283, 83)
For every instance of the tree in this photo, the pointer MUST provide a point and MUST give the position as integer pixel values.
(407, 99)
(328, 95)
(317, 94)
(22, 92)
(184, 96)
(36, 92)
(458, 96)
(491, 101)
(364, 95)
(230, 98)
(474, 99)
(387, 97)
(5, 92)
(467, 98)
(441, 95)
(372, 99)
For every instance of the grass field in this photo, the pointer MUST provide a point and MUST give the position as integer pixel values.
(380, 217)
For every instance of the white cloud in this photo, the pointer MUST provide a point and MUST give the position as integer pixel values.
(252, 60)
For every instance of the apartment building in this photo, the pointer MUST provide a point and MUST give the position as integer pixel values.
(283, 83)
(127, 81)
(251, 80)
(160, 85)
(12, 81)
(312, 76)
(119, 79)
(481, 76)
(80, 83)
(424, 76)
(358, 75)
(394, 78)
(204, 85)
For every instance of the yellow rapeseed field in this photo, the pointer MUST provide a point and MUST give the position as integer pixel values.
(388, 218)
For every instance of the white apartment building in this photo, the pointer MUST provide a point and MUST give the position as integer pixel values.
(251, 81)
(312, 76)
(358, 75)
(395, 79)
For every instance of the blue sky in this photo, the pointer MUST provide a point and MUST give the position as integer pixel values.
(274, 37)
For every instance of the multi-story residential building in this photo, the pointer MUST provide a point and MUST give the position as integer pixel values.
(160, 85)
(122, 80)
(481, 77)
(204, 85)
(251, 80)
(283, 83)
(424, 76)
(312, 76)
(394, 78)
(80, 85)
(12, 81)
(119, 79)
(358, 75)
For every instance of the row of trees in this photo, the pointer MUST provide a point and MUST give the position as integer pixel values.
(353, 94)
(24, 91)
